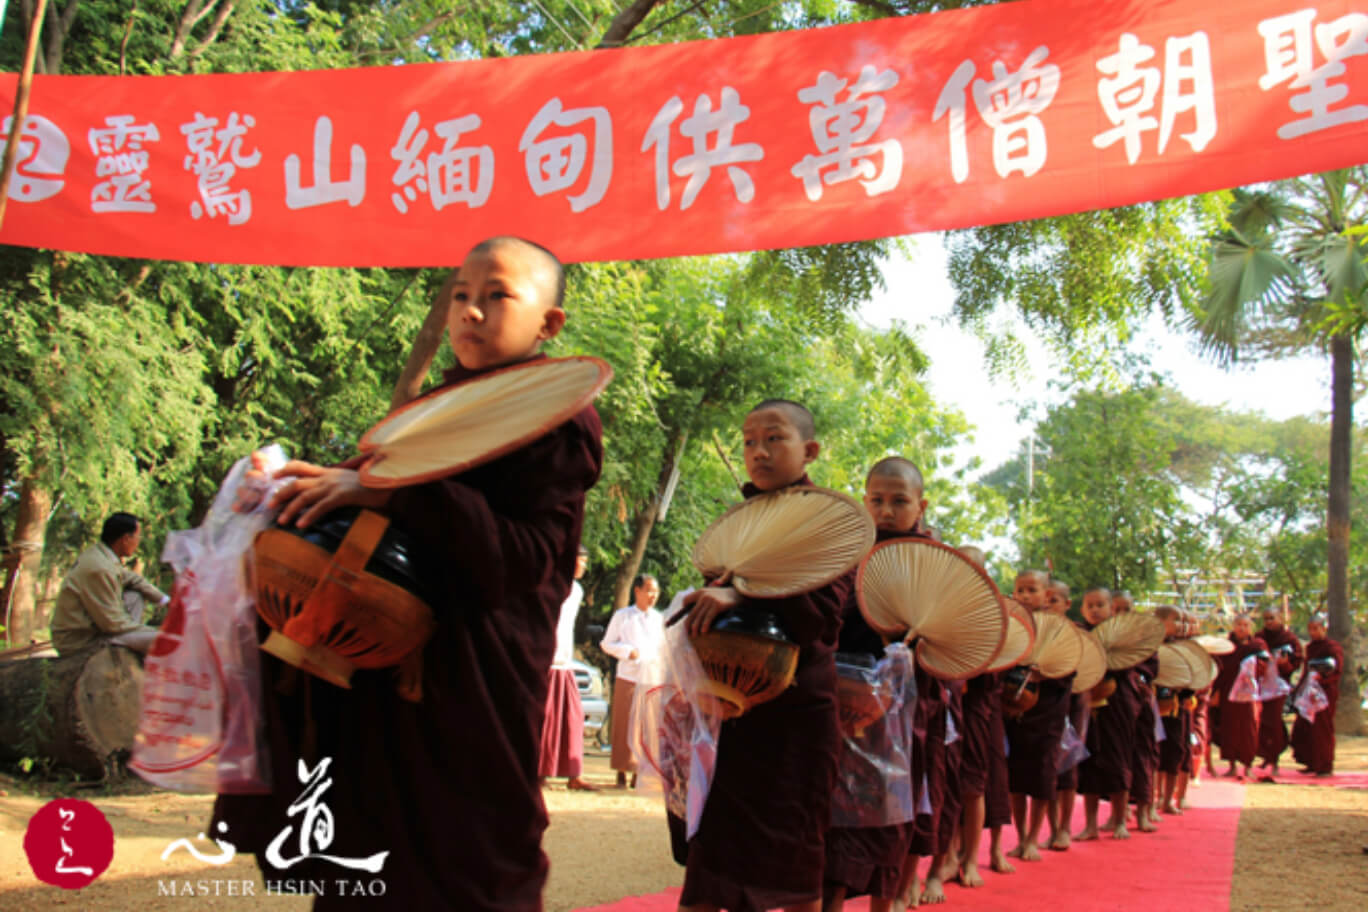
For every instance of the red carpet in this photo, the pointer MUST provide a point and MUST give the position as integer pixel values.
(1186, 865)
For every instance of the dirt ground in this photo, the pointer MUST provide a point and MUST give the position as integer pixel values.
(1298, 846)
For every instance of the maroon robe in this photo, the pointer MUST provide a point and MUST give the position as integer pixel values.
(1079, 711)
(980, 702)
(761, 840)
(1201, 727)
(1175, 751)
(1313, 743)
(1239, 721)
(1272, 728)
(1111, 741)
(928, 761)
(865, 860)
(1145, 756)
(1034, 737)
(947, 823)
(447, 786)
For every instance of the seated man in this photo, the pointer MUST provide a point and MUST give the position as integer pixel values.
(101, 599)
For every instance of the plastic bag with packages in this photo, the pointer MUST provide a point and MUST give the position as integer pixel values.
(1073, 749)
(1246, 686)
(200, 728)
(673, 733)
(1311, 698)
(876, 701)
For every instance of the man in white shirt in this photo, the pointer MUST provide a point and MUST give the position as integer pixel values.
(634, 637)
(562, 741)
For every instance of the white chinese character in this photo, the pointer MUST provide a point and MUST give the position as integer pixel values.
(227, 851)
(214, 166)
(119, 156)
(698, 165)
(68, 815)
(556, 163)
(39, 161)
(454, 175)
(838, 126)
(324, 191)
(1288, 58)
(316, 825)
(1010, 104)
(1128, 92)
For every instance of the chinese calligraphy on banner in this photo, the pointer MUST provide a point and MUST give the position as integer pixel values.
(960, 118)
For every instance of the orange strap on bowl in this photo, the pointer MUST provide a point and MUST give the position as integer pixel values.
(348, 562)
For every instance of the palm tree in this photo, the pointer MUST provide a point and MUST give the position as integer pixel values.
(1290, 274)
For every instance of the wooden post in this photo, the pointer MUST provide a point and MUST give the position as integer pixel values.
(21, 102)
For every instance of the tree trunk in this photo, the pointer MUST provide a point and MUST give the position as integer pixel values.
(425, 345)
(23, 560)
(645, 522)
(77, 711)
(1348, 715)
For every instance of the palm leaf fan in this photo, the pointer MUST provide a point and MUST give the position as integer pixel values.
(463, 426)
(1130, 638)
(1020, 639)
(1175, 672)
(934, 592)
(1205, 667)
(1093, 667)
(1058, 647)
(1214, 645)
(785, 542)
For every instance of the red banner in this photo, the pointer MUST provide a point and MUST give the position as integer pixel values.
(988, 115)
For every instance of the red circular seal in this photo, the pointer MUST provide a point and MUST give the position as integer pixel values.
(69, 843)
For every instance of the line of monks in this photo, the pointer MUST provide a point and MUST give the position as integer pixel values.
(986, 764)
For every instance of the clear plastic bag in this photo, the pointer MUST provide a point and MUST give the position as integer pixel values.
(1246, 686)
(1272, 685)
(673, 735)
(1159, 733)
(1073, 749)
(874, 779)
(200, 728)
(1311, 698)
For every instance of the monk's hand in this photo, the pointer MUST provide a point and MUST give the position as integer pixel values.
(706, 604)
(314, 491)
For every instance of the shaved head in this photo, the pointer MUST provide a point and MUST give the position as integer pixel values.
(1040, 576)
(1059, 586)
(555, 272)
(898, 467)
(797, 414)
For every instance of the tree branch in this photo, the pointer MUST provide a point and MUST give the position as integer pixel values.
(194, 11)
(224, 12)
(128, 32)
(625, 22)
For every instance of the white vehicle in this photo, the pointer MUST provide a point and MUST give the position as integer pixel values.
(589, 682)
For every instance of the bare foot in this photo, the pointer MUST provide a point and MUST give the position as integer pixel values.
(969, 875)
(579, 785)
(1016, 852)
(1030, 852)
(1120, 832)
(1147, 825)
(1183, 805)
(934, 894)
(1171, 808)
(1088, 835)
(1060, 842)
(1000, 865)
(913, 898)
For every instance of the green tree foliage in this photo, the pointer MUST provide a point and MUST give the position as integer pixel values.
(1290, 273)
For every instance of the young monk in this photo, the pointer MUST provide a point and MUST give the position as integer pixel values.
(1057, 601)
(983, 735)
(450, 827)
(869, 860)
(1286, 650)
(1175, 751)
(1111, 735)
(1145, 758)
(1239, 719)
(1313, 743)
(1034, 737)
(760, 843)
(1122, 603)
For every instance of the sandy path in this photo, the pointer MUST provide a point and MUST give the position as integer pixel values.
(607, 845)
